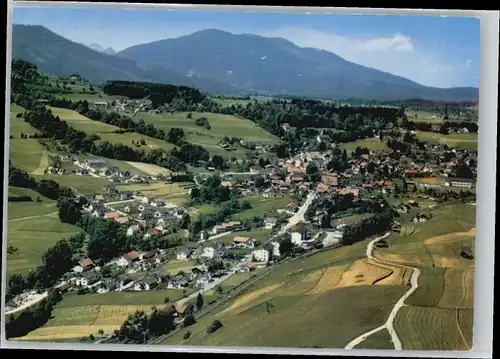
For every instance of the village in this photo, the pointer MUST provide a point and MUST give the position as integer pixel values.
(150, 216)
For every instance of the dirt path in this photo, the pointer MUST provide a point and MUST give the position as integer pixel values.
(389, 324)
(44, 163)
(42, 215)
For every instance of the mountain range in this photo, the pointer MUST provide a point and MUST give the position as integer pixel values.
(221, 62)
(99, 48)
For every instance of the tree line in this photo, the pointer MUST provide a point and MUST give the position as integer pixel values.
(158, 94)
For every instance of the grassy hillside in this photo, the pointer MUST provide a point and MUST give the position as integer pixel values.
(220, 126)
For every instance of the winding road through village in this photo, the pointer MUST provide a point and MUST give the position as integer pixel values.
(389, 324)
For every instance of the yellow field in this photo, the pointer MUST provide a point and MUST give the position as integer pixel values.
(329, 280)
(44, 163)
(149, 168)
(248, 298)
(430, 329)
(451, 237)
(66, 332)
(91, 319)
(400, 258)
(429, 180)
(157, 189)
(458, 289)
(67, 114)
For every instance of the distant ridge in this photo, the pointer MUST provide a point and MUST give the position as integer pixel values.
(221, 62)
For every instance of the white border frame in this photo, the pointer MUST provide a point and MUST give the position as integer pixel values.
(485, 219)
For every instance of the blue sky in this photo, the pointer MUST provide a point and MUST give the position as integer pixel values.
(433, 51)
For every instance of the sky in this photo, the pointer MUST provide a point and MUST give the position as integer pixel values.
(433, 51)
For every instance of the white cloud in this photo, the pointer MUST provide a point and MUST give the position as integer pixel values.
(397, 42)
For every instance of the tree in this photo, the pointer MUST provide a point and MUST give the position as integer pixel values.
(185, 221)
(101, 332)
(199, 301)
(189, 320)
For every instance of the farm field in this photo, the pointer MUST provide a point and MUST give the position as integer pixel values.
(86, 185)
(26, 154)
(379, 340)
(262, 206)
(424, 116)
(33, 236)
(461, 140)
(148, 168)
(371, 144)
(157, 189)
(175, 266)
(17, 210)
(260, 235)
(430, 319)
(423, 328)
(284, 288)
(81, 315)
(228, 102)
(17, 125)
(253, 326)
(221, 125)
(107, 132)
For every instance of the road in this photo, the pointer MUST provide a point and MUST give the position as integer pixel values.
(389, 324)
(42, 215)
(299, 216)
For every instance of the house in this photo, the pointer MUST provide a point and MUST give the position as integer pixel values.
(99, 212)
(329, 179)
(435, 127)
(151, 232)
(275, 249)
(332, 238)
(88, 279)
(208, 252)
(348, 190)
(184, 254)
(270, 222)
(460, 182)
(291, 208)
(202, 281)
(179, 309)
(95, 164)
(255, 170)
(226, 227)
(98, 198)
(297, 177)
(122, 220)
(132, 230)
(147, 284)
(261, 255)
(323, 138)
(126, 195)
(107, 286)
(63, 288)
(111, 187)
(86, 264)
(199, 269)
(111, 215)
(269, 193)
(298, 238)
(157, 202)
(127, 209)
(151, 254)
(162, 212)
(128, 259)
(244, 242)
